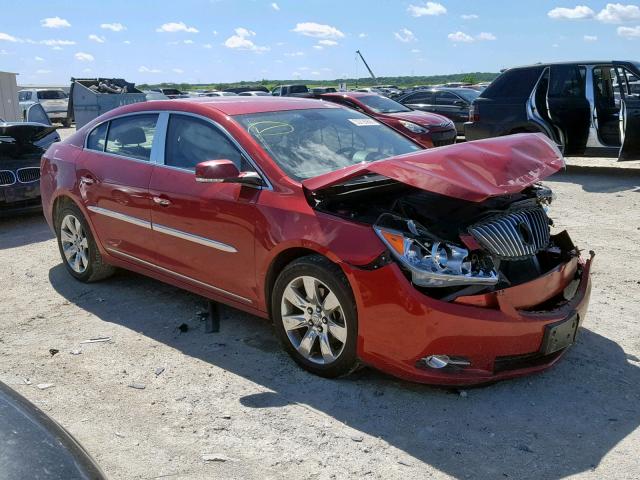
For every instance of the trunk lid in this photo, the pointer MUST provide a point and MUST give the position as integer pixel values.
(472, 171)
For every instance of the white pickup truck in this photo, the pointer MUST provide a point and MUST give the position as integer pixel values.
(54, 101)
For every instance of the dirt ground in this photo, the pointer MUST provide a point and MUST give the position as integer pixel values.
(234, 398)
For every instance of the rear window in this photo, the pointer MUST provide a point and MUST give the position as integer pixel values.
(298, 89)
(51, 95)
(515, 83)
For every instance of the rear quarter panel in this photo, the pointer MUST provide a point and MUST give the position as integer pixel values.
(58, 176)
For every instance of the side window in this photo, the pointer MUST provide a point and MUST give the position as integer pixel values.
(192, 140)
(132, 136)
(446, 98)
(567, 82)
(22, 96)
(97, 138)
(27, 95)
(630, 84)
(422, 97)
(514, 83)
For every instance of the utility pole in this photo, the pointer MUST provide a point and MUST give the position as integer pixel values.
(367, 65)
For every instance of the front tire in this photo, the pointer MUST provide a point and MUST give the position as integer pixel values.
(78, 249)
(315, 316)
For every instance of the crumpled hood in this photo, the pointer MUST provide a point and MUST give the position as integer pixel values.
(421, 118)
(472, 171)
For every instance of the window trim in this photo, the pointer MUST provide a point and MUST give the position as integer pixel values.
(159, 141)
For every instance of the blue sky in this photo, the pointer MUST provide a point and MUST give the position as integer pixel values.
(230, 40)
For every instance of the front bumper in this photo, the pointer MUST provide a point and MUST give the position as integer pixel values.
(20, 198)
(62, 114)
(500, 334)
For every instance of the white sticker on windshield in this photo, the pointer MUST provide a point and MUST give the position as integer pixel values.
(363, 122)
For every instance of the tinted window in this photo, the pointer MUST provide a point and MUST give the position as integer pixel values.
(307, 143)
(517, 83)
(192, 140)
(22, 96)
(567, 81)
(132, 136)
(97, 137)
(420, 97)
(446, 98)
(298, 89)
(380, 104)
(51, 95)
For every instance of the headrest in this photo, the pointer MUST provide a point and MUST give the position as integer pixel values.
(131, 136)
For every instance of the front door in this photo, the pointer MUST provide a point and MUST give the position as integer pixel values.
(204, 232)
(568, 107)
(629, 85)
(113, 176)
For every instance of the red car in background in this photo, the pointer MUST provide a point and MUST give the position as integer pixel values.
(437, 266)
(427, 129)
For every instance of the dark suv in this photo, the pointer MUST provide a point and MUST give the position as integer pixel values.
(587, 108)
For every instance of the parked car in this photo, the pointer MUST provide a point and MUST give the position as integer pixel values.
(588, 108)
(254, 93)
(321, 90)
(22, 144)
(291, 91)
(427, 129)
(216, 93)
(35, 446)
(171, 92)
(54, 101)
(435, 265)
(247, 88)
(452, 103)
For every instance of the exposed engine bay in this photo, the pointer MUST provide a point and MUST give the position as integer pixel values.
(450, 247)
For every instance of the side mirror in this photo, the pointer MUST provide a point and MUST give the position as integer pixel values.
(225, 171)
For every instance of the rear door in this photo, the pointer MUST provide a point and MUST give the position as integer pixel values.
(568, 107)
(204, 232)
(113, 176)
(453, 107)
(629, 85)
(419, 101)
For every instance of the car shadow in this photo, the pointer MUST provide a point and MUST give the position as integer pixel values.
(25, 229)
(596, 181)
(547, 426)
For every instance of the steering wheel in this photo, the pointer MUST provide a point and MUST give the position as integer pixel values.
(347, 151)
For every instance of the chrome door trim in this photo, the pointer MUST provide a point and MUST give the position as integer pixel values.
(179, 275)
(207, 242)
(120, 216)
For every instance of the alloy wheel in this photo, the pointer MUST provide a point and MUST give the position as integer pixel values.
(75, 244)
(313, 320)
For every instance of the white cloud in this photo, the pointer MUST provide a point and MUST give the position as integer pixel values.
(188, 42)
(3, 52)
(618, 13)
(629, 32)
(471, 16)
(485, 36)
(405, 35)
(173, 27)
(241, 41)
(42, 71)
(275, 6)
(294, 54)
(460, 37)
(127, 42)
(144, 69)
(579, 12)
(114, 27)
(54, 22)
(590, 38)
(328, 43)
(56, 48)
(56, 43)
(84, 57)
(96, 38)
(87, 70)
(207, 45)
(430, 8)
(415, 50)
(38, 59)
(362, 35)
(8, 38)
(318, 47)
(318, 30)
(177, 70)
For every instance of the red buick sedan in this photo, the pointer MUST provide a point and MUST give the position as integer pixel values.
(427, 129)
(437, 266)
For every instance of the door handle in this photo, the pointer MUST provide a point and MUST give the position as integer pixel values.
(87, 180)
(163, 202)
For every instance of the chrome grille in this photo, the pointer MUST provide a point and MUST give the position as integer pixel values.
(28, 174)
(7, 177)
(514, 235)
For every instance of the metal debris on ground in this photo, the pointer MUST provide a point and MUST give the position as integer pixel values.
(44, 386)
(138, 386)
(53, 351)
(159, 371)
(75, 352)
(97, 340)
(215, 457)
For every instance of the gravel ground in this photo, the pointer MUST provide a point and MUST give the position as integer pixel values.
(235, 399)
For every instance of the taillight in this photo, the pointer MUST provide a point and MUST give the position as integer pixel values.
(474, 113)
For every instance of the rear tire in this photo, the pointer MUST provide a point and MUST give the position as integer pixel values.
(315, 317)
(80, 254)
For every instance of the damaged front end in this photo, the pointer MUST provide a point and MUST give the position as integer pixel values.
(449, 247)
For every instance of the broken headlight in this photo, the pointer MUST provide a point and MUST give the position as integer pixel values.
(431, 262)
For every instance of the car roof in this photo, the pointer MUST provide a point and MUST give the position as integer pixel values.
(236, 105)
(577, 62)
(350, 94)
